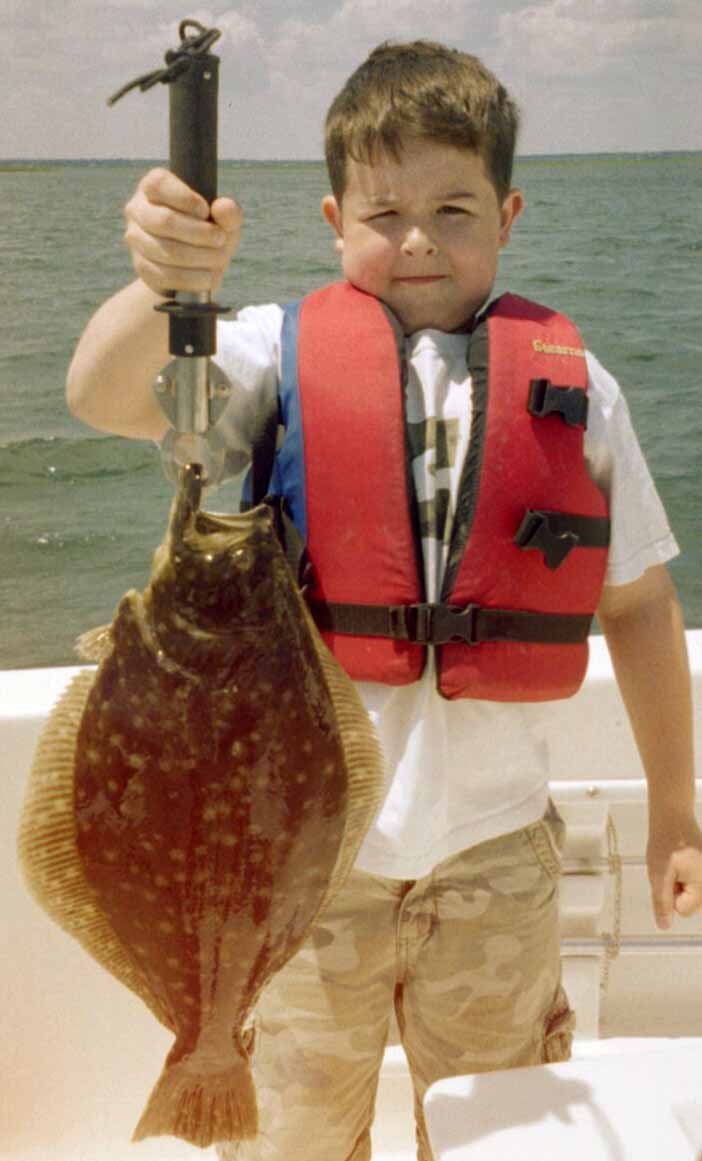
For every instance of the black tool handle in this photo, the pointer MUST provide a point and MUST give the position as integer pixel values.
(192, 74)
(193, 125)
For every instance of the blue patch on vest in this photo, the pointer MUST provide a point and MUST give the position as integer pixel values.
(288, 477)
(288, 473)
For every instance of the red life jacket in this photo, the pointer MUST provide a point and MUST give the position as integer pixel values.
(529, 543)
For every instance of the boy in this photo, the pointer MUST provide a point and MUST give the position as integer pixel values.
(451, 911)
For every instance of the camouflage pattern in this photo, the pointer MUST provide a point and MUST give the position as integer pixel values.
(468, 956)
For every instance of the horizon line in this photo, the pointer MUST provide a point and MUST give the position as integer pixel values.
(30, 160)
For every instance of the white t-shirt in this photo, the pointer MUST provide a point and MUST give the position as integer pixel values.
(458, 772)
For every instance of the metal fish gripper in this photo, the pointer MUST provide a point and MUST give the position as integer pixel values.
(192, 391)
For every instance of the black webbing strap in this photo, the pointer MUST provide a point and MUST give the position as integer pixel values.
(547, 398)
(557, 533)
(440, 624)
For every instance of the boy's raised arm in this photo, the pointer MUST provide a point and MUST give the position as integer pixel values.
(643, 625)
(118, 356)
(177, 242)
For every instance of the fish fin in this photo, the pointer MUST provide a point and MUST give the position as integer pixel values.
(95, 644)
(201, 1107)
(364, 761)
(47, 846)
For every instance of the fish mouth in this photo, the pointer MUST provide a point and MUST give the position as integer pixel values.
(188, 494)
(213, 583)
(203, 552)
(188, 519)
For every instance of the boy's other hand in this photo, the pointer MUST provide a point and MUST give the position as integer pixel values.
(674, 858)
(177, 241)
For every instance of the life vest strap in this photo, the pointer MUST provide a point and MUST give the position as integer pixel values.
(556, 533)
(428, 624)
(547, 398)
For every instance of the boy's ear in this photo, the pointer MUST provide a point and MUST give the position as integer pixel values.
(512, 207)
(331, 213)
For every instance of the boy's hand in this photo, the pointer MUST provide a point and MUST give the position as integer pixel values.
(674, 858)
(177, 241)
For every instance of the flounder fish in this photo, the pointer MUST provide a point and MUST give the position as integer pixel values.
(197, 799)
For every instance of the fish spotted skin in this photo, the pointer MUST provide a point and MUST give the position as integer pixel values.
(222, 779)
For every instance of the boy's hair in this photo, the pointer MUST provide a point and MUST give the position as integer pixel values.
(421, 90)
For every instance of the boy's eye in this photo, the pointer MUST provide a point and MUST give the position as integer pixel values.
(452, 210)
(381, 214)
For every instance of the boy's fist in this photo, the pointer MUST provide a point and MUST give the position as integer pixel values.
(177, 241)
(675, 872)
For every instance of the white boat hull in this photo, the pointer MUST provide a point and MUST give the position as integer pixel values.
(80, 1052)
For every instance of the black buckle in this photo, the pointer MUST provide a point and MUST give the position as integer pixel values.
(537, 531)
(546, 398)
(453, 623)
(435, 624)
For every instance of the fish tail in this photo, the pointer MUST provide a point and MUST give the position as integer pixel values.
(202, 1108)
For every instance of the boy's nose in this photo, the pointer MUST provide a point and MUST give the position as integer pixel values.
(417, 241)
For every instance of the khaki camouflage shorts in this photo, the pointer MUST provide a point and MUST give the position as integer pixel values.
(469, 958)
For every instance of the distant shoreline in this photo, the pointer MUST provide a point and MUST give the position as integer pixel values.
(39, 164)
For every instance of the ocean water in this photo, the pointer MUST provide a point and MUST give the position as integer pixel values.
(615, 241)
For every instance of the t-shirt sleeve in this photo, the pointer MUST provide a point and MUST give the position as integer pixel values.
(640, 533)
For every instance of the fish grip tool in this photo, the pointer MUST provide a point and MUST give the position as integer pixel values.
(191, 391)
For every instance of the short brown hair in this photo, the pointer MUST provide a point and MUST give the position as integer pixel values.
(421, 90)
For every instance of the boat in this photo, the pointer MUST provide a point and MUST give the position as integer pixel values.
(80, 1051)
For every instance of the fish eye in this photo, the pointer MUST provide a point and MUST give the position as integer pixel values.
(243, 557)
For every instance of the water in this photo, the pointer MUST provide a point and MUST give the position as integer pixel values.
(614, 241)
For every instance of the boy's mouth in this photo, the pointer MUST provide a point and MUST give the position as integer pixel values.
(420, 279)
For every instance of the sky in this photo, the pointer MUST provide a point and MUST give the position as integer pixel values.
(588, 75)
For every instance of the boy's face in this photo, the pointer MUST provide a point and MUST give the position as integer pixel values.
(423, 232)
